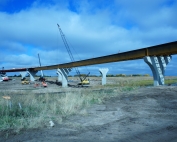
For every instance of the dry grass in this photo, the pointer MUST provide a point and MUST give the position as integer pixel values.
(38, 109)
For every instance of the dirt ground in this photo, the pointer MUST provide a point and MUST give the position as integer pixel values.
(146, 114)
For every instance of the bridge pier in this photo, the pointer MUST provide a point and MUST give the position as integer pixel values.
(103, 72)
(23, 74)
(59, 77)
(32, 74)
(42, 75)
(158, 65)
(64, 75)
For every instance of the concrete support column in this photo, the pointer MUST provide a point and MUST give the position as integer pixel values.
(158, 65)
(42, 75)
(59, 77)
(103, 72)
(64, 75)
(32, 74)
(23, 74)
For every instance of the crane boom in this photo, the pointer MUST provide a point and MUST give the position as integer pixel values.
(39, 60)
(42, 75)
(69, 51)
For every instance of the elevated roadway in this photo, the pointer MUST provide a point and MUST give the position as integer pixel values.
(157, 50)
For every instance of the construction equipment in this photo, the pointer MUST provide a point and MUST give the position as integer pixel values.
(83, 81)
(42, 75)
(42, 79)
(44, 84)
(24, 81)
(3, 75)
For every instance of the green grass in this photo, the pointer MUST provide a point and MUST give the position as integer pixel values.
(143, 82)
(151, 82)
(170, 81)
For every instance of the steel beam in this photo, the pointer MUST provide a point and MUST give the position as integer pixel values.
(158, 50)
(15, 70)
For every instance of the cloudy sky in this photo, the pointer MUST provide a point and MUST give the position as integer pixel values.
(92, 28)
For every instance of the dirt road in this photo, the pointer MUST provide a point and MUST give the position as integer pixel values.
(147, 114)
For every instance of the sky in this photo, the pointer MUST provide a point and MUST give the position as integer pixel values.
(92, 28)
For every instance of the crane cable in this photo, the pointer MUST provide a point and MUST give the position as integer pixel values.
(69, 52)
(77, 55)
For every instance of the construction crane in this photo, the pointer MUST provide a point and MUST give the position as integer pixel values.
(42, 79)
(83, 80)
(42, 75)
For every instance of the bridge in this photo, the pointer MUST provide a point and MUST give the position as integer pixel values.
(157, 57)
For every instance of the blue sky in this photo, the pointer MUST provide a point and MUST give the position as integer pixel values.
(92, 28)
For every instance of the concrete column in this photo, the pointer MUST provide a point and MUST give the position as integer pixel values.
(64, 75)
(103, 72)
(23, 74)
(42, 75)
(158, 65)
(32, 74)
(59, 77)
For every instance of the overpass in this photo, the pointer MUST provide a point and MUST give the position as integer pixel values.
(157, 57)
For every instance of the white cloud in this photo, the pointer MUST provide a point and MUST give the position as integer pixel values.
(12, 47)
(91, 29)
(22, 59)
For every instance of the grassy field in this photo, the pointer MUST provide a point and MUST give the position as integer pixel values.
(26, 110)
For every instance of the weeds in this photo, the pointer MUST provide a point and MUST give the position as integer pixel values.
(28, 110)
(37, 110)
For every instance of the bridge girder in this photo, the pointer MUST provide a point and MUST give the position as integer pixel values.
(157, 50)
